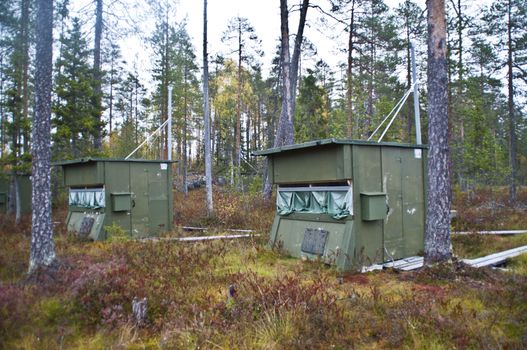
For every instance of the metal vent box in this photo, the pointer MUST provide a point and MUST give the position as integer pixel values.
(373, 205)
(121, 201)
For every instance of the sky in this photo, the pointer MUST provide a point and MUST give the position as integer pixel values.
(263, 15)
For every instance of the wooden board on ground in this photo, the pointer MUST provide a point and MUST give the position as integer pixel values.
(508, 232)
(415, 262)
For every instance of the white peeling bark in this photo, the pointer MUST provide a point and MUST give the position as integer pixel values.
(42, 246)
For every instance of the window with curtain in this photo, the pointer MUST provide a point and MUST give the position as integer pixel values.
(92, 198)
(336, 201)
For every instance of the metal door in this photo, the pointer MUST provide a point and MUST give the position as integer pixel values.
(140, 207)
(158, 200)
(392, 164)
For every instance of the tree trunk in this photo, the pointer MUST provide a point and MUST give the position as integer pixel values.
(18, 205)
(437, 235)
(510, 104)
(237, 149)
(185, 161)
(285, 129)
(97, 73)
(42, 246)
(349, 72)
(25, 70)
(206, 116)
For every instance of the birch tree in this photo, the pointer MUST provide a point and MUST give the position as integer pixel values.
(206, 116)
(437, 234)
(42, 252)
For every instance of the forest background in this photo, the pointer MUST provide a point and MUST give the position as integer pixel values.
(106, 100)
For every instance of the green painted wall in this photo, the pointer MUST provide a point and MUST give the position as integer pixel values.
(138, 195)
(392, 172)
(24, 182)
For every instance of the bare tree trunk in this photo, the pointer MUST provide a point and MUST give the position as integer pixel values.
(25, 70)
(97, 73)
(285, 129)
(237, 149)
(349, 72)
(184, 138)
(18, 205)
(512, 114)
(437, 235)
(206, 116)
(42, 246)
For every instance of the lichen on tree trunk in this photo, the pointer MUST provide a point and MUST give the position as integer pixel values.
(437, 235)
(42, 246)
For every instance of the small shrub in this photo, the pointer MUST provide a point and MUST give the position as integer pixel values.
(116, 233)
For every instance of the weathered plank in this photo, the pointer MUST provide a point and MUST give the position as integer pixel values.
(197, 239)
(191, 228)
(496, 258)
(415, 262)
(507, 232)
(406, 264)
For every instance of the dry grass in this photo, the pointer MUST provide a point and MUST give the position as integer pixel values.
(278, 303)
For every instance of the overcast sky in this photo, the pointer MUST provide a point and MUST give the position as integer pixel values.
(264, 15)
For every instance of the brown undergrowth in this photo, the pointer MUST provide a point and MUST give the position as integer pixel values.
(239, 295)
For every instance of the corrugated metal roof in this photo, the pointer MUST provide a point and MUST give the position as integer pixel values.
(335, 142)
(90, 159)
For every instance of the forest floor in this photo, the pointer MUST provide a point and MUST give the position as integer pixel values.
(278, 302)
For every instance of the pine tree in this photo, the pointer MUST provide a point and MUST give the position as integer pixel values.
(507, 23)
(42, 254)
(437, 233)
(76, 110)
(241, 33)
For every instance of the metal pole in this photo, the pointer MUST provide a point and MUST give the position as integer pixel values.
(169, 127)
(416, 97)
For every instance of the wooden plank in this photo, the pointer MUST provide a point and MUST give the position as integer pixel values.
(197, 239)
(496, 258)
(507, 232)
(191, 228)
(415, 262)
(406, 264)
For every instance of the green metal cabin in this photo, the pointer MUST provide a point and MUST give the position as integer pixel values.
(351, 203)
(133, 194)
(24, 183)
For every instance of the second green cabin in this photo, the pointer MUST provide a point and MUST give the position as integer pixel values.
(135, 195)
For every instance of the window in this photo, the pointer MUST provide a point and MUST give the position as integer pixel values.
(92, 198)
(337, 201)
